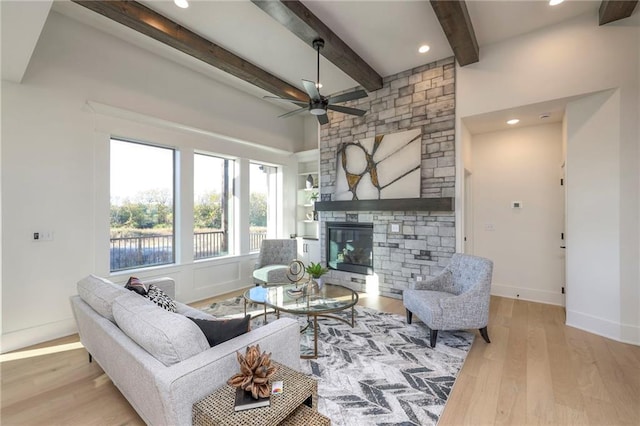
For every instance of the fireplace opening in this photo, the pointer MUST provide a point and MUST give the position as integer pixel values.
(350, 247)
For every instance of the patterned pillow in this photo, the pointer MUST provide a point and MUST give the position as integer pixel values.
(221, 330)
(134, 284)
(160, 298)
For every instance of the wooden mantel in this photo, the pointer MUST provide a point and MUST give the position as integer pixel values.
(445, 204)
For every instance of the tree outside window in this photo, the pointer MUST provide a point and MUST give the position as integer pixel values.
(142, 209)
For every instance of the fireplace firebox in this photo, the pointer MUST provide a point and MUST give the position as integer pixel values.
(350, 247)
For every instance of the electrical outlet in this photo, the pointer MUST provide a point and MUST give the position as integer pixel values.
(43, 236)
(489, 227)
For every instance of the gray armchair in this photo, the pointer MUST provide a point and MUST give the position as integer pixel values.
(456, 299)
(273, 263)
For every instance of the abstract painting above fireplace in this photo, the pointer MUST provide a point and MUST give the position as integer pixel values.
(382, 167)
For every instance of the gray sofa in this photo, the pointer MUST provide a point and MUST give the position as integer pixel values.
(156, 358)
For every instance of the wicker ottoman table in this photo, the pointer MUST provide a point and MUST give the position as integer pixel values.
(296, 405)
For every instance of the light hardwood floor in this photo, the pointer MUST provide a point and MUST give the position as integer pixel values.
(535, 371)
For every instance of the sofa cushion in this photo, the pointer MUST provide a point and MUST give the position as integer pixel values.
(160, 298)
(134, 284)
(220, 330)
(99, 293)
(168, 336)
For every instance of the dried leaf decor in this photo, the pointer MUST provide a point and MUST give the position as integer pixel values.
(255, 371)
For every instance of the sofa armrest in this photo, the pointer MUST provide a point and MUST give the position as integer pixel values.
(166, 284)
(186, 382)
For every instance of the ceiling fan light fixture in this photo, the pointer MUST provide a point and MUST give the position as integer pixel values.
(183, 4)
(317, 107)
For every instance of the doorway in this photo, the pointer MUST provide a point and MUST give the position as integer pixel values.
(514, 210)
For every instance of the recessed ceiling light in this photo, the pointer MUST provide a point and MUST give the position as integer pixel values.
(513, 121)
(544, 115)
(181, 3)
(555, 2)
(424, 48)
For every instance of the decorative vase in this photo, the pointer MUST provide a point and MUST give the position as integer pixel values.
(313, 287)
(319, 281)
(309, 182)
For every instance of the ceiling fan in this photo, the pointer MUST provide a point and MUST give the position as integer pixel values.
(318, 104)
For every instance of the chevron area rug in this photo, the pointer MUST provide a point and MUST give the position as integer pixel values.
(382, 371)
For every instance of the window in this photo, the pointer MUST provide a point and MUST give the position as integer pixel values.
(262, 204)
(212, 208)
(142, 209)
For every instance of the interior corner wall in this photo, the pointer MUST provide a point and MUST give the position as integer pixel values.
(593, 197)
(311, 133)
(523, 165)
(553, 64)
(55, 167)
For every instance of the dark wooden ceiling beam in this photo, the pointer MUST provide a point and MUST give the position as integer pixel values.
(304, 24)
(613, 10)
(146, 21)
(456, 24)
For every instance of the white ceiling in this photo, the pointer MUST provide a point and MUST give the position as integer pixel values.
(386, 34)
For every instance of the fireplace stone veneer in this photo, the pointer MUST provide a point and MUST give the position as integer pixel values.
(424, 98)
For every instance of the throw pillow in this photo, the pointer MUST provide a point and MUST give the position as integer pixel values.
(134, 284)
(160, 298)
(218, 331)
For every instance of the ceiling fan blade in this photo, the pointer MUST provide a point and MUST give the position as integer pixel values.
(347, 110)
(358, 94)
(293, 101)
(311, 89)
(298, 111)
(323, 119)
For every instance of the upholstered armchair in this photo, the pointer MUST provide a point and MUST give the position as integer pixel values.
(456, 299)
(274, 259)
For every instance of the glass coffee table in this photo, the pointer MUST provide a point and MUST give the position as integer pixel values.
(323, 302)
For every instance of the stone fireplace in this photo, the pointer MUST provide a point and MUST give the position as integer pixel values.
(412, 236)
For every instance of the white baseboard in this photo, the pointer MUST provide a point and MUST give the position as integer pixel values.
(531, 295)
(624, 333)
(32, 336)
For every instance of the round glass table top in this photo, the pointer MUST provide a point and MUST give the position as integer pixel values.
(310, 300)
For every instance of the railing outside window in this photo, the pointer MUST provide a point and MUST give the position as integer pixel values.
(209, 244)
(132, 252)
(255, 240)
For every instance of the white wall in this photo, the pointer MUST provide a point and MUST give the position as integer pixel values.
(580, 58)
(520, 164)
(593, 190)
(55, 167)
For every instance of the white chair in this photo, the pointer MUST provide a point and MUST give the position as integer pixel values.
(273, 263)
